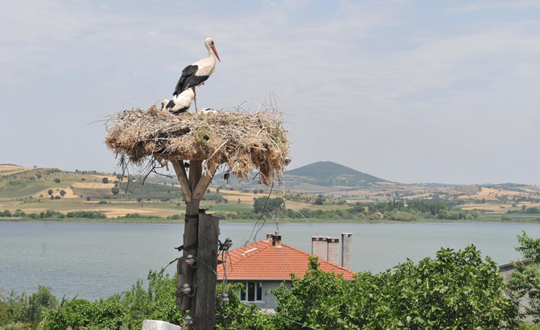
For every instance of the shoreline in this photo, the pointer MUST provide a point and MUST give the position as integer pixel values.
(526, 220)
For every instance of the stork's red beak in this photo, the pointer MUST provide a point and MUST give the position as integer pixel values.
(215, 52)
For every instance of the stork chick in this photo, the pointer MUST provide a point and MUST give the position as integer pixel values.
(180, 103)
(164, 104)
(208, 110)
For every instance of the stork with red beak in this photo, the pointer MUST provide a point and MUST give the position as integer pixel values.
(196, 74)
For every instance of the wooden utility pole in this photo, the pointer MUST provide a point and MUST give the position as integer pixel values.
(200, 241)
(246, 141)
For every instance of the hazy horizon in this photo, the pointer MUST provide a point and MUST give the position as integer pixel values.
(171, 173)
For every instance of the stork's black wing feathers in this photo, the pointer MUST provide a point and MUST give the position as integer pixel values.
(182, 85)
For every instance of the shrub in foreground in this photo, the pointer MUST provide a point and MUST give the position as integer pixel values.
(456, 290)
(122, 311)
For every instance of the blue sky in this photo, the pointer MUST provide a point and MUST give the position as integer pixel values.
(410, 91)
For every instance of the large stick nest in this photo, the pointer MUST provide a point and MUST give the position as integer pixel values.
(241, 140)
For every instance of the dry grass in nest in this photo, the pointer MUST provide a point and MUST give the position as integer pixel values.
(241, 140)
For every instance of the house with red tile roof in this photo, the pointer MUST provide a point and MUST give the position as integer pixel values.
(265, 264)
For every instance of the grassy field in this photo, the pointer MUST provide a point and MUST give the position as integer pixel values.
(30, 190)
(487, 219)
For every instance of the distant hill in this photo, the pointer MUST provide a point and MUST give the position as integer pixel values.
(332, 174)
(36, 190)
(23, 182)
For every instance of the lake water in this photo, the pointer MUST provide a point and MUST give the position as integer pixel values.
(96, 260)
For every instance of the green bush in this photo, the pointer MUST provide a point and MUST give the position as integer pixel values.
(457, 290)
(86, 214)
(138, 216)
(6, 213)
(237, 315)
(524, 282)
(18, 213)
(101, 314)
(126, 311)
(265, 204)
(25, 311)
(46, 215)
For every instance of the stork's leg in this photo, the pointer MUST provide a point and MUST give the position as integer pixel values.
(195, 99)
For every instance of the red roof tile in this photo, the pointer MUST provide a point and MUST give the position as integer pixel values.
(262, 261)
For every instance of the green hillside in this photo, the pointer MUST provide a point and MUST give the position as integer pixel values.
(49, 193)
(20, 182)
(332, 174)
(323, 187)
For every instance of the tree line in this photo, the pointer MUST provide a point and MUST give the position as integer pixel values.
(393, 210)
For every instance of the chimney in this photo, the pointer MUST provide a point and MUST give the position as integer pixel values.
(346, 250)
(276, 239)
(333, 250)
(319, 247)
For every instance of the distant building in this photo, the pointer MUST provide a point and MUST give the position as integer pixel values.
(265, 264)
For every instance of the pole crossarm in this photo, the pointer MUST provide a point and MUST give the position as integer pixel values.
(180, 170)
(204, 182)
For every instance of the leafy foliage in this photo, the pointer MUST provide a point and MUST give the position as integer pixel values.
(457, 290)
(238, 315)
(125, 311)
(267, 204)
(86, 214)
(524, 282)
(26, 310)
(5, 213)
(137, 216)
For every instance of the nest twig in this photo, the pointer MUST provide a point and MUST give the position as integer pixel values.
(240, 139)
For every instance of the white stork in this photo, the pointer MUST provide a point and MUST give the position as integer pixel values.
(180, 103)
(197, 73)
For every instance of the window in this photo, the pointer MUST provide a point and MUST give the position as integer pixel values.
(252, 292)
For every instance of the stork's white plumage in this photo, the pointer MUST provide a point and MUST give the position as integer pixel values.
(209, 111)
(180, 103)
(197, 73)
